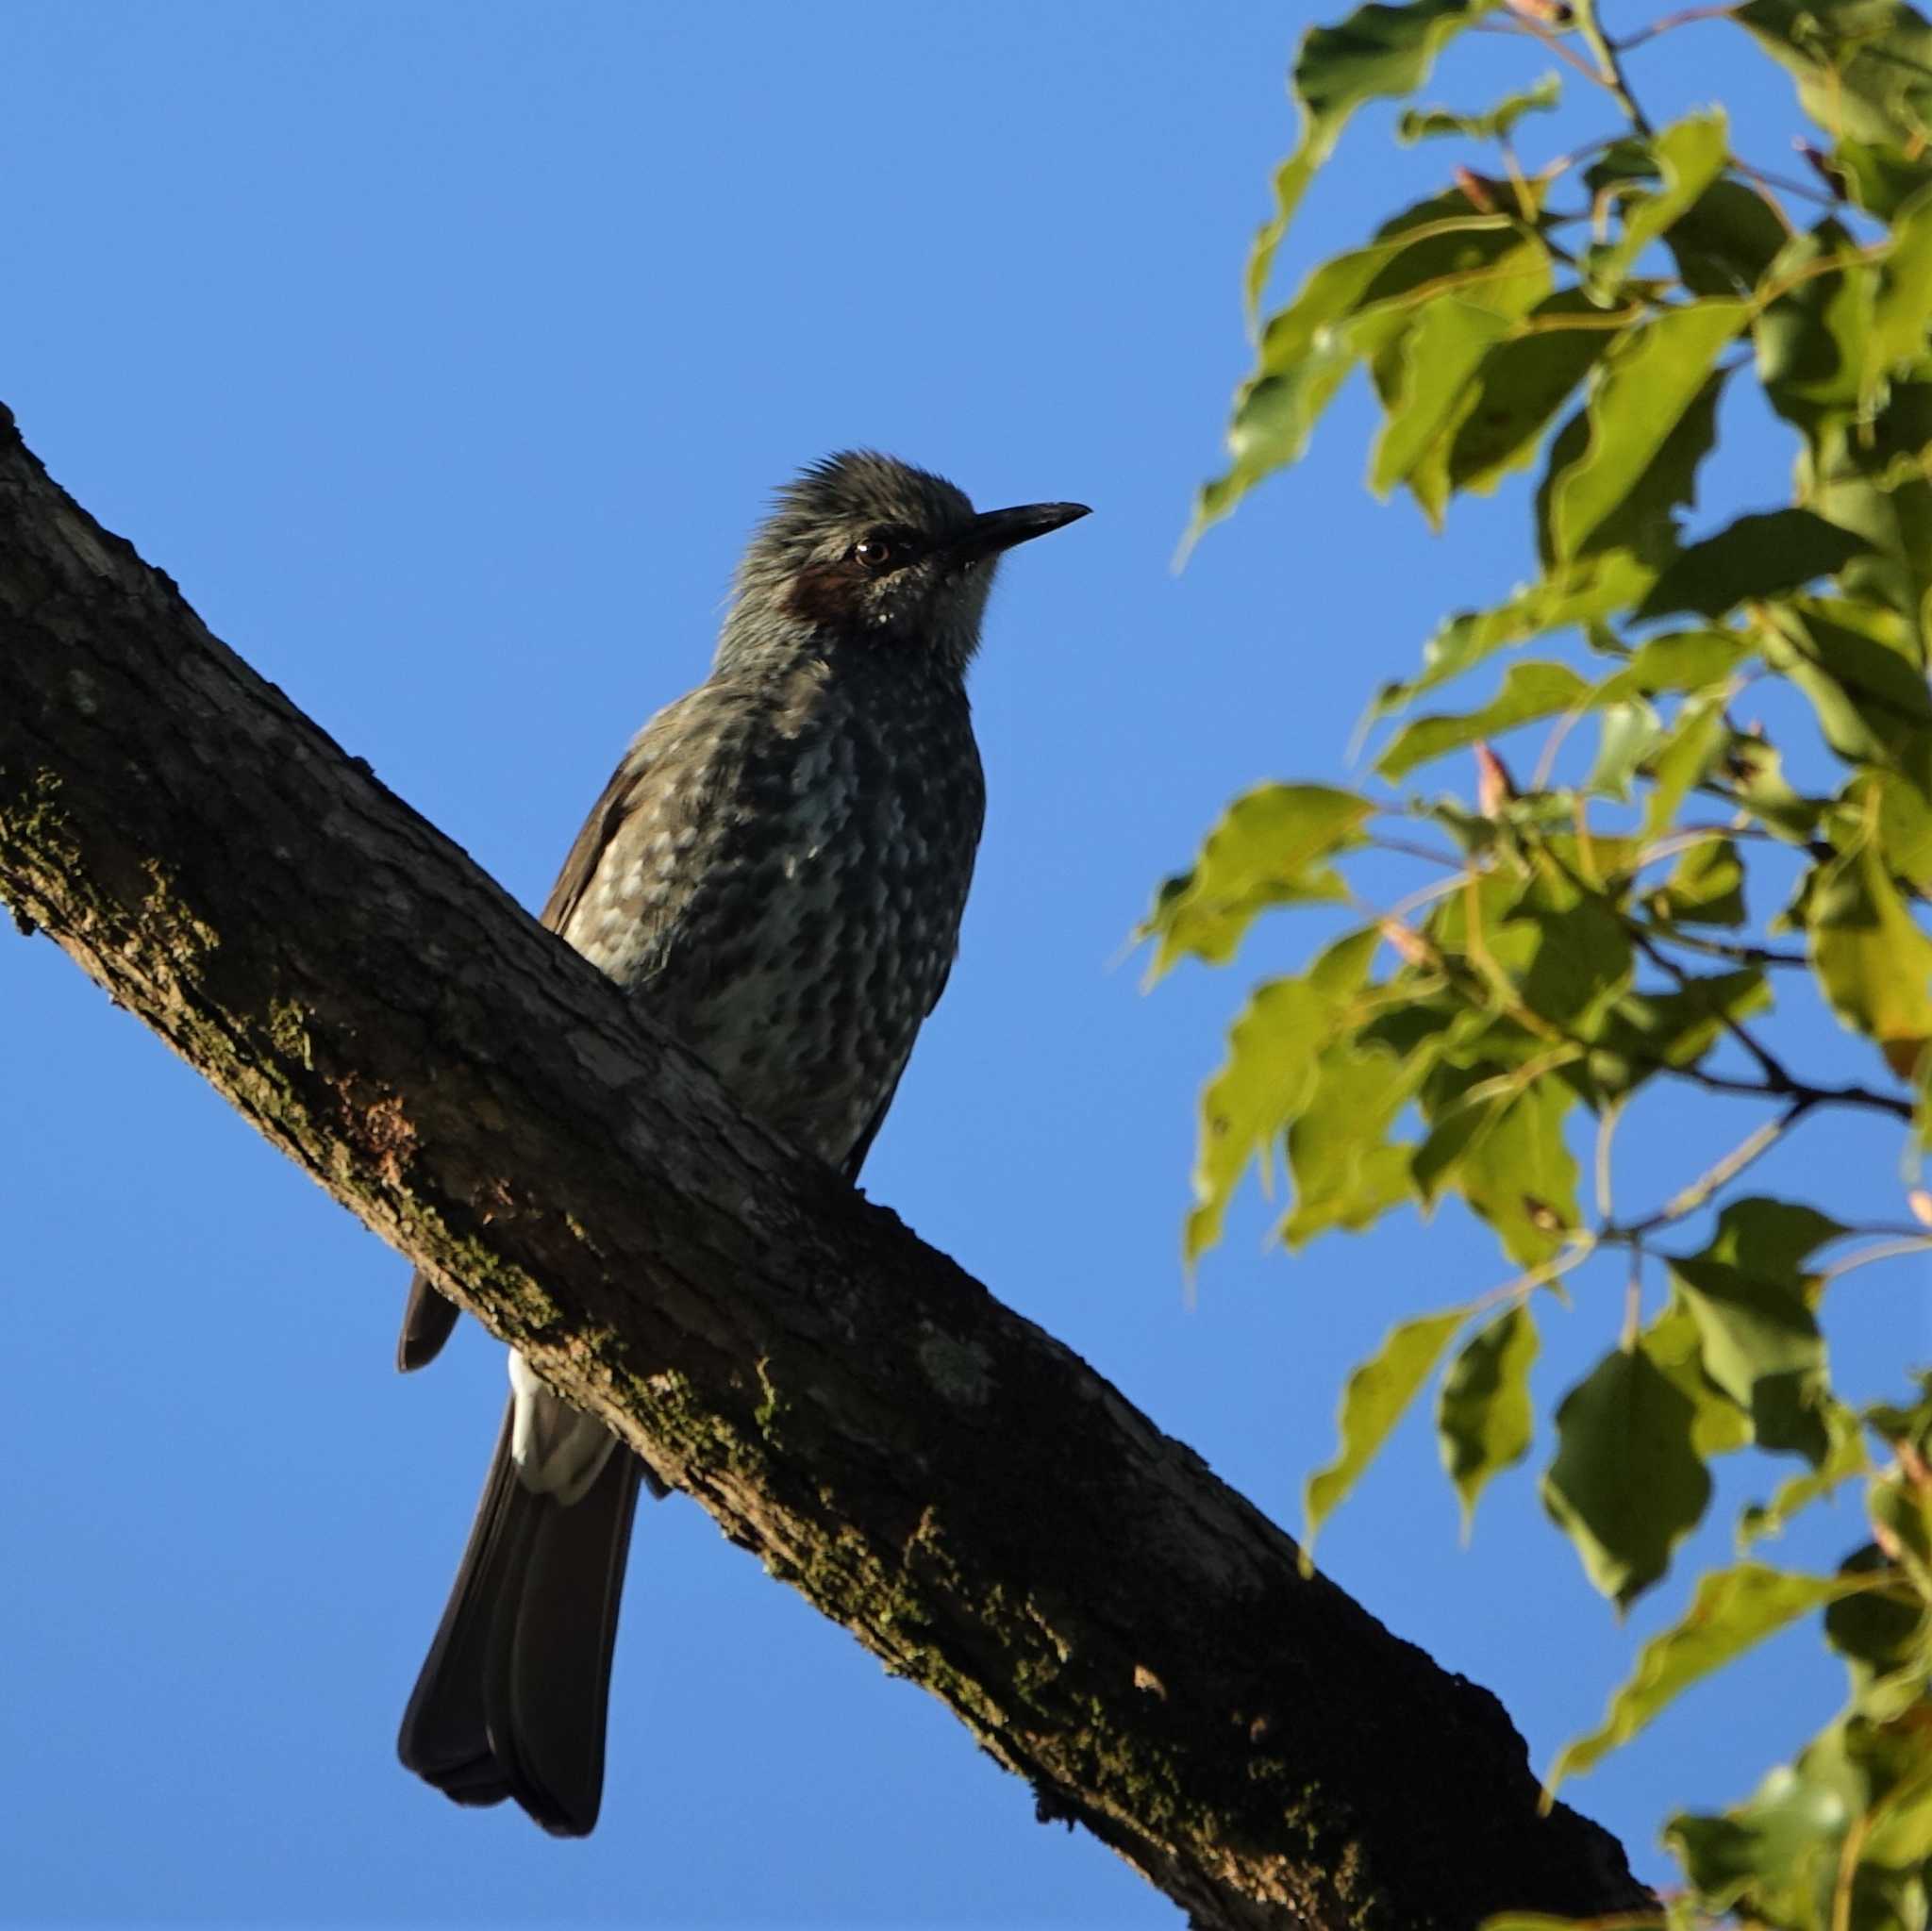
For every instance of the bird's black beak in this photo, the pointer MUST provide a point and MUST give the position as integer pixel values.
(994, 530)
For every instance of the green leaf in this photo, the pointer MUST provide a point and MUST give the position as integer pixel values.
(1361, 305)
(1690, 746)
(1627, 1484)
(1653, 377)
(1719, 1427)
(1678, 661)
(1521, 1176)
(1863, 67)
(1648, 1031)
(1759, 1338)
(1878, 177)
(1522, 381)
(1811, 340)
(1706, 888)
(1377, 1395)
(1269, 849)
(1871, 476)
(1598, 586)
(1727, 240)
(1438, 361)
(1345, 1172)
(1377, 51)
(1628, 736)
(1690, 156)
(1872, 961)
(1856, 664)
(1845, 1460)
(1903, 301)
(1529, 692)
(1757, 557)
(1575, 959)
(1483, 1415)
(1733, 1611)
(1780, 1856)
(1491, 124)
(1269, 1076)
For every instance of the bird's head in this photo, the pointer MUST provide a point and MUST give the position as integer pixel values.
(866, 552)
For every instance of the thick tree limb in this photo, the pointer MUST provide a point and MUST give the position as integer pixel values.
(961, 1491)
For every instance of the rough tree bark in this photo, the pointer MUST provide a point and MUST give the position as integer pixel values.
(961, 1491)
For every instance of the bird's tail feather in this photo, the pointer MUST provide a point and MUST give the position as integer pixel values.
(427, 1319)
(512, 1698)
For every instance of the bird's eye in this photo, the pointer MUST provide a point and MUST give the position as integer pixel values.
(873, 552)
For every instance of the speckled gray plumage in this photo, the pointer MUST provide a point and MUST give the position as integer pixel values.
(776, 871)
(788, 856)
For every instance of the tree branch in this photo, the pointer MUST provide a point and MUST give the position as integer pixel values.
(961, 1491)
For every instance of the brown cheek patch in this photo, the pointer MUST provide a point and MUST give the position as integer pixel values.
(824, 593)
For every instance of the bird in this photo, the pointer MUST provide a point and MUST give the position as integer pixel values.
(775, 872)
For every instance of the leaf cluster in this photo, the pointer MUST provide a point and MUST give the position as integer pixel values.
(1590, 931)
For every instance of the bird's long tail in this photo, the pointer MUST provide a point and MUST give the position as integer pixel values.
(512, 1698)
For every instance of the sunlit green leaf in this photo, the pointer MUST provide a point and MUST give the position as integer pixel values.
(1521, 1176)
(1690, 745)
(1269, 1076)
(1747, 1292)
(1902, 303)
(1650, 381)
(1269, 849)
(1630, 734)
(1845, 1458)
(1346, 1174)
(1377, 51)
(1627, 1483)
(1678, 661)
(1719, 1426)
(1779, 1858)
(1812, 340)
(1690, 156)
(1440, 359)
(1491, 124)
(1870, 956)
(1880, 178)
(1733, 1610)
(1522, 382)
(1361, 304)
(1648, 1031)
(1863, 67)
(1577, 964)
(1484, 1421)
(1856, 664)
(1706, 888)
(1871, 476)
(1597, 587)
(1529, 692)
(1376, 1397)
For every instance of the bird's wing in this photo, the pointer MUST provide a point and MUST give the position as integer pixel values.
(862, 1146)
(593, 839)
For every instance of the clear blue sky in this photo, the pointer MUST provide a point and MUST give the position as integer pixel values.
(444, 353)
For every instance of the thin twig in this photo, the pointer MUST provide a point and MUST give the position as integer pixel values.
(1611, 69)
(1670, 24)
(1521, 23)
(1605, 1129)
(1723, 948)
(1768, 1063)
(1886, 1250)
(1382, 842)
(1690, 1199)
